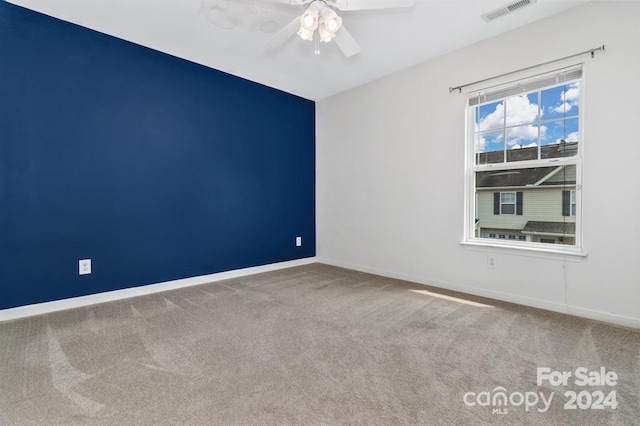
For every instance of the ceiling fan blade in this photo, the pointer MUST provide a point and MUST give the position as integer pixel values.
(283, 35)
(346, 42)
(347, 5)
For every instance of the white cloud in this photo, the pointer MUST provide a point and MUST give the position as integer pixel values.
(485, 141)
(519, 111)
(568, 99)
(571, 137)
(515, 135)
(571, 95)
(493, 120)
(562, 108)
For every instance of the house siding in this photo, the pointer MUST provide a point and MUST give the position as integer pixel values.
(539, 204)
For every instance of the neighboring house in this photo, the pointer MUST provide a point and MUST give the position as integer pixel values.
(531, 204)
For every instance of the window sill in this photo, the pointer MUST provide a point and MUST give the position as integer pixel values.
(575, 253)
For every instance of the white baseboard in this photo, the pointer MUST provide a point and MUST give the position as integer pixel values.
(92, 299)
(607, 317)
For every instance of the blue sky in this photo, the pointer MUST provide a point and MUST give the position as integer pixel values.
(543, 117)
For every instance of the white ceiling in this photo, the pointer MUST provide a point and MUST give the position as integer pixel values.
(229, 35)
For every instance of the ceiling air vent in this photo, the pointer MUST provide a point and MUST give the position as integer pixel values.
(507, 9)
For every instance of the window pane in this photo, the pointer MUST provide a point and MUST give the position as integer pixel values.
(508, 209)
(490, 116)
(490, 147)
(572, 130)
(542, 204)
(508, 197)
(560, 138)
(522, 143)
(561, 101)
(522, 109)
(557, 131)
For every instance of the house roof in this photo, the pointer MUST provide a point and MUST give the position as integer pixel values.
(557, 150)
(550, 228)
(516, 177)
(538, 176)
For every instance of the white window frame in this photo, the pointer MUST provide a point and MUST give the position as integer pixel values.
(472, 168)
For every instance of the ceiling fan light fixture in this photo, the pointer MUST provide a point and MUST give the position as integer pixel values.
(309, 19)
(320, 17)
(325, 34)
(331, 19)
(305, 33)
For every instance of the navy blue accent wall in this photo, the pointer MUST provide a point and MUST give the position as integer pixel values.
(154, 167)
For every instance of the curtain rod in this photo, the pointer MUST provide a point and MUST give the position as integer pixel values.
(591, 51)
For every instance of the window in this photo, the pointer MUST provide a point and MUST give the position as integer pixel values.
(507, 203)
(569, 203)
(524, 162)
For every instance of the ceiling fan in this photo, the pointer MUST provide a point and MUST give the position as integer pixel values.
(321, 23)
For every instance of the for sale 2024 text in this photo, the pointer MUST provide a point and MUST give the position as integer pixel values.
(584, 399)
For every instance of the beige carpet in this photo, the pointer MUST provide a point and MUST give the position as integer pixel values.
(308, 345)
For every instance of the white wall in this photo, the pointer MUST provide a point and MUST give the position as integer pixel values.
(390, 171)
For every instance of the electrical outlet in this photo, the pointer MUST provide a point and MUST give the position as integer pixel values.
(298, 241)
(492, 261)
(84, 267)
